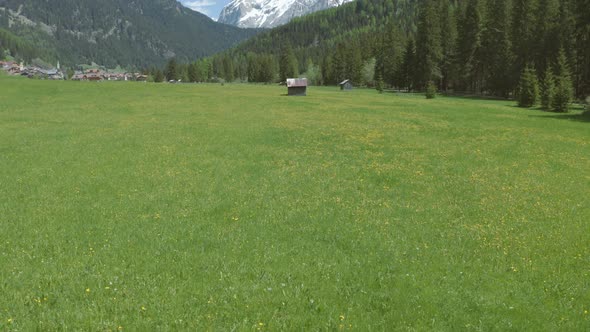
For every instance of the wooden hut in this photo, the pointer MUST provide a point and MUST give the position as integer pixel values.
(345, 85)
(297, 86)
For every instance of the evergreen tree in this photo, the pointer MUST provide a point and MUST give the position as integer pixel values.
(326, 71)
(379, 70)
(497, 47)
(430, 90)
(546, 34)
(193, 75)
(528, 88)
(253, 70)
(228, 69)
(469, 52)
(428, 44)
(391, 53)
(267, 68)
(171, 70)
(563, 88)
(408, 67)
(582, 35)
(547, 89)
(355, 65)
(158, 76)
(287, 63)
(523, 38)
(339, 63)
(566, 35)
(448, 43)
(379, 83)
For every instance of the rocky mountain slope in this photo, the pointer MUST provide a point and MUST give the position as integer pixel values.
(271, 13)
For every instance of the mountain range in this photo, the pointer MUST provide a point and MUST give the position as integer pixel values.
(117, 32)
(271, 13)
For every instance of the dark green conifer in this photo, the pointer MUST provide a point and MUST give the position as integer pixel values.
(430, 90)
(547, 89)
(528, 88)
(428, 44)
(564, 91)
(287, 63)
(379, 83)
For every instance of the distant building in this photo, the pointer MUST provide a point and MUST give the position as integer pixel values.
(141, 78)
(297, 86)
(345, 85)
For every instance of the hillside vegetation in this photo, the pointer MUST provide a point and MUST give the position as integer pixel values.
(209, 207)
(117, 32)
(471, 46)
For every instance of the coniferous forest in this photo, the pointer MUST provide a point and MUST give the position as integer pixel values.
(478, 47)
(132, 34)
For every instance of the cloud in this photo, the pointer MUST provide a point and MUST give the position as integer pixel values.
(200, 5)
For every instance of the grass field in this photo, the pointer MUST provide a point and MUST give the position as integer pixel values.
(204, 207)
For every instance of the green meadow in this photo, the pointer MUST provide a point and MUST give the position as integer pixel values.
(141, 207)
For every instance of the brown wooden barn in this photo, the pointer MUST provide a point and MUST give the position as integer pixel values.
(297, 86)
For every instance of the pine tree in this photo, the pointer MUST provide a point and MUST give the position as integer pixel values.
(267, 68)
(228, 68)
(339, 63)
(391, 53)
(171, 70)
(566, 35)
(326, 71)
(546, 43)
(563, 88)
(497, 47)
(582, 71)
(430, 90)
(469, 44)
(379, 83)
(448, 43)
(158, 76)
(523, 38)
(287, 63)
(547, 89)
(379, 63)
(528, 89)
(583, 51)
(356, 65)
(408, 67)
(428, 44)
(193, 75)
(253, 68)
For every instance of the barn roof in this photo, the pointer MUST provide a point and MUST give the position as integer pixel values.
(296, 82)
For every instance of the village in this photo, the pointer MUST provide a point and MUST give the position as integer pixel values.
(35, 72)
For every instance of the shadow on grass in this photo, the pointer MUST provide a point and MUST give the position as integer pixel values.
(476, 97)
(580, 117)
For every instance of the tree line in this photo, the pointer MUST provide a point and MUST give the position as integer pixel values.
(481, 47)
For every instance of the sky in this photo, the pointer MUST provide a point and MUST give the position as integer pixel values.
(211, 8)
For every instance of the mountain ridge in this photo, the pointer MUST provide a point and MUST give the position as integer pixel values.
(118, 32)
(271, 13)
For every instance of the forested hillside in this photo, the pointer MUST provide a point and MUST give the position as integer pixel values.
(117, 32)
(472, 46)
(14, 45)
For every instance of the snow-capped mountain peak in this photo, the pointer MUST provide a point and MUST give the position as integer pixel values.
(271, 13)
